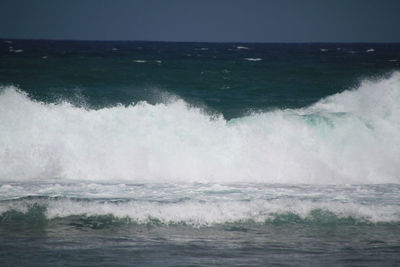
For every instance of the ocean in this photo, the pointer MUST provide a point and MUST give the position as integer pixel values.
(199, 154)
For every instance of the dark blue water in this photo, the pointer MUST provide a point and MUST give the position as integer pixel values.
(200, 154)
(216, 76)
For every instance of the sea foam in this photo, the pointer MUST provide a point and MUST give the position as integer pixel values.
(348, 138)
(208, 204)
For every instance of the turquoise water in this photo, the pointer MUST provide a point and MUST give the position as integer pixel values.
(166, 154)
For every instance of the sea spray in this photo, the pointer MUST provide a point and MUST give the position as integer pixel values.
(197, 156)
(350, 137)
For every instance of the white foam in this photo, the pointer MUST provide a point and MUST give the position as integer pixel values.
(253, 59)
(370, 50)
(200, 213)
(352, 137)
(204, 204)
(242, 48)
(140, 61)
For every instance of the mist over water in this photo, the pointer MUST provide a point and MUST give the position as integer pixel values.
(347, 138)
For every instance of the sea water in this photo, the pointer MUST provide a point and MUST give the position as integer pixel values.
(165, 154)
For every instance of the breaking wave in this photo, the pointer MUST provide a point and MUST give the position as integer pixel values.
(347, 138)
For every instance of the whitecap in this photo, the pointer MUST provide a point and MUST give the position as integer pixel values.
(253, 59)
(347, 138)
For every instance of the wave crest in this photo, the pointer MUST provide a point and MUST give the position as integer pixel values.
(351, 137)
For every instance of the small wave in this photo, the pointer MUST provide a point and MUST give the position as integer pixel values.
(370, 50)
(242, 48)
(140, 61)
(197, 204)
(197, 213)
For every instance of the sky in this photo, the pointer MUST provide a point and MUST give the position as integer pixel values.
(203, 20)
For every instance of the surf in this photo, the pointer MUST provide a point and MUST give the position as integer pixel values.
(198, 205)
(347, 138)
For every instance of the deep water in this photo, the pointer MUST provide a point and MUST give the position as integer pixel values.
(171, 154)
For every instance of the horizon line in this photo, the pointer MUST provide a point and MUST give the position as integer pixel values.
(214, 42)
